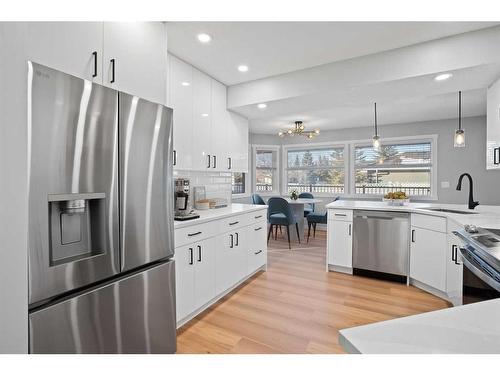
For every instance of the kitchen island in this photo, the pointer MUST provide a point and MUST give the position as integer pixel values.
(467, 329)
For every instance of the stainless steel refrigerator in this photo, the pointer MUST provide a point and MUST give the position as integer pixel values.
(101, 268)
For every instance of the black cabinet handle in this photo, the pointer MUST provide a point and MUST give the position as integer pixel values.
(193, 234)
(199, 253)
(234, 223)
(232, 241)
(112, 71)
(350, 225)
(496, 156)
(454, 254)
(258, 252)
(214, 161)
(94, 54)
(256, 229)
(230, 164)
(208, 166)
(340, 215)
(175, 157)
(413, 235)
(191, 256)
(237, 239)
(257, 217)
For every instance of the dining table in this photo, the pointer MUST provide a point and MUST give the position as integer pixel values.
(298, 210)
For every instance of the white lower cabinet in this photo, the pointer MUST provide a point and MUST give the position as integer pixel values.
(454, 271)
(340, 243)
(194, 276)
(231, 259)
(257, 247)
(428, 257)
(218, 261)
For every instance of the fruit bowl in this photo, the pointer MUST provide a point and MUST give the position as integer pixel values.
(396, 198)
(396, 202)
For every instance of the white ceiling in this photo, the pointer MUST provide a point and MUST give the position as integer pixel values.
(271, 48)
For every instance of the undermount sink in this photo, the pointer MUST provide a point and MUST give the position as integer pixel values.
(451, 211)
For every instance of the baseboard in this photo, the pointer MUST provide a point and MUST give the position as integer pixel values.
(331, 267)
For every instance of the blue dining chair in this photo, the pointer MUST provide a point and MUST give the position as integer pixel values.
(309, 207)
(257, 199)
(280, 213)
(315, 218)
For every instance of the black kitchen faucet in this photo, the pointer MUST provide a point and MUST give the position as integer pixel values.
(472, 203)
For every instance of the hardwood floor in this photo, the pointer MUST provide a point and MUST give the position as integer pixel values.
(297, 307)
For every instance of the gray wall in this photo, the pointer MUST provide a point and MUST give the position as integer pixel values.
(451, 161)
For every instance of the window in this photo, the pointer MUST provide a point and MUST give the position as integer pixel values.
(238, 183)
(266, 169)
(400, 166)
(319, 170)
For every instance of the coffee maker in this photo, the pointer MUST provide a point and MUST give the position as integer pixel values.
(183, 201)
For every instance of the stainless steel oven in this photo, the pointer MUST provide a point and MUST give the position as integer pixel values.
(481, 271)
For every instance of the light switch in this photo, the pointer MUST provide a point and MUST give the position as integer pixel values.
(445, 184)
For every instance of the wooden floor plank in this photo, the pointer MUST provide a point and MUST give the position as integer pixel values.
(297, 307)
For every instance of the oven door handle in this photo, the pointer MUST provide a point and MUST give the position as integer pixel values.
(479, 269)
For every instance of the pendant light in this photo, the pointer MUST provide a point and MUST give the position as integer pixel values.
(459, 133)
(376, 138)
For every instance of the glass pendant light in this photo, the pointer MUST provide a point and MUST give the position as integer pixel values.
(376, 138)
(459, 133)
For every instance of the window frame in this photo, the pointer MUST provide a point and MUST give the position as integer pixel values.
(433, 139)
(276, 175)
(246, 186)
(316, 146)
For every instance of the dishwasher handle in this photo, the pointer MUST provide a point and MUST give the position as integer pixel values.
(381, 215)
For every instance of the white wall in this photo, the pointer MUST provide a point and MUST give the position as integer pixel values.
(451, 161)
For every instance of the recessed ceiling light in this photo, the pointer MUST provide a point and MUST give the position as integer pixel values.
(262, 105)
(443, 77)
(185, 83)
(243, 68)
(204, 115)
(204, 38)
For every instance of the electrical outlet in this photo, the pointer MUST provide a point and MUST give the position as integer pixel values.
(445, 184)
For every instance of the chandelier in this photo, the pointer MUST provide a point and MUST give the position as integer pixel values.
(299, 129)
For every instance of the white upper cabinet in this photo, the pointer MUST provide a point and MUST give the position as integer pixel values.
(238, 143)
(71, 47)
(493, 127)
(181, 99)
(219, 137)
(135, 58)
(202, 119)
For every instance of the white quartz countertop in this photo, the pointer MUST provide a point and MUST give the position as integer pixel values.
(473, 328)
(219, 213)
(484, 216)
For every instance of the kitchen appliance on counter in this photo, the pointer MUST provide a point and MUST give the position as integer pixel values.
(481, 259)
(183, 201)
(101, 268)
(381, 244)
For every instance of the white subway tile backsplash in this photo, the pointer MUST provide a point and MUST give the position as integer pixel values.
(217, 184)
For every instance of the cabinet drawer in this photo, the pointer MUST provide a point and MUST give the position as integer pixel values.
(195, 233)
(343, 215)
(257, 246)
(257, 216)
(434, 223)
(234, 222)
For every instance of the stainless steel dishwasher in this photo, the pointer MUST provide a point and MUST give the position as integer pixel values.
(381, 244)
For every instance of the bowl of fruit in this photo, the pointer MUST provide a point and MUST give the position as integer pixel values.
(396, 198)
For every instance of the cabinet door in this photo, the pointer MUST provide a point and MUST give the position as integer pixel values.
(204, 272)
(257, 246)
(185, 281)
(428, 257)
(241, 244)
(225, 261)
(454, 271)
(340, 243)
(67, 46)
(181, 97)
(238, 145)
(202, 120)
(493, 127)
(219, 139)
(139, 50)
